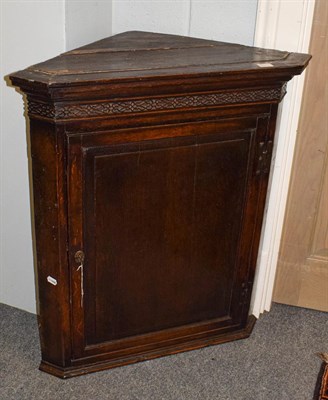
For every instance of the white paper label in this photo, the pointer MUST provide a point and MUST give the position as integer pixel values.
(264, 65)
(52, 280)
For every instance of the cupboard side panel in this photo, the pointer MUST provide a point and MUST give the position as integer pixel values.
(48, 160)
(266, 128)
(254, 214)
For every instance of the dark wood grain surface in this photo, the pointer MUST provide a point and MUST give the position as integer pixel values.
(165, 238)
(141, 55)
(151, 156)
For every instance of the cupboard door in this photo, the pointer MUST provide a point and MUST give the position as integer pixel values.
(159, 223)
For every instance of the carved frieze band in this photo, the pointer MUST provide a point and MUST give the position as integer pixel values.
(72, 111)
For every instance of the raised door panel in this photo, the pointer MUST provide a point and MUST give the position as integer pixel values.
(166, 218)
(160, 223)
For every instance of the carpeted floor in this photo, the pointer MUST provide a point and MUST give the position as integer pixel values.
(278, 362)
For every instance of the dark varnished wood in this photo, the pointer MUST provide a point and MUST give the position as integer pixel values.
(153, 226)
(150, 154)
(88, 366)
(137, 56)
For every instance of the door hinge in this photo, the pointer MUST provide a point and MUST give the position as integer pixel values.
(264, 157)
(246, 290)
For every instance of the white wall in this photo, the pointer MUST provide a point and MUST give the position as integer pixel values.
(170, 16)
(33, 31)
(230, 21)
(227, 21)
(87, 21)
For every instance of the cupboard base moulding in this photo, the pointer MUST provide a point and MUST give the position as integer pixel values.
(70, 372)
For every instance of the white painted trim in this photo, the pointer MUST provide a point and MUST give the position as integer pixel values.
(283, 25)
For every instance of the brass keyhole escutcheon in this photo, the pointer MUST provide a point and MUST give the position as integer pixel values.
(79, 257)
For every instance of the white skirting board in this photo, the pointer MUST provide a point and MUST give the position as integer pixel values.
(283, 25)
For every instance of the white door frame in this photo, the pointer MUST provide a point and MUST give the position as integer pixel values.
(283, 25)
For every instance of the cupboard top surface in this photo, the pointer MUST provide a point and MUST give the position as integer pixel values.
(143, 55)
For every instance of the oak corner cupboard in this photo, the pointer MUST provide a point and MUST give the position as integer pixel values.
(150, 157)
